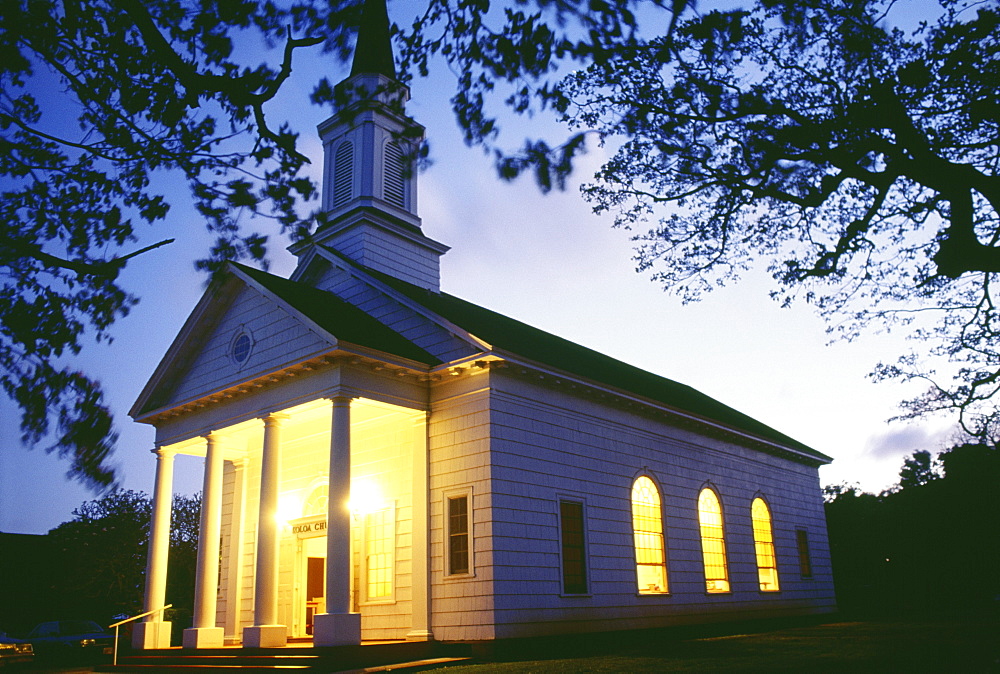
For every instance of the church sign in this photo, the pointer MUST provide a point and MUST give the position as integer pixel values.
(309, 529)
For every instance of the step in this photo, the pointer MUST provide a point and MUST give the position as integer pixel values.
(182, 668)
(380, 657)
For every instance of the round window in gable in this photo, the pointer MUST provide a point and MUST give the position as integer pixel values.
(241, 347)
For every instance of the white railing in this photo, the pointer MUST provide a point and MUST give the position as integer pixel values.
(114, 659)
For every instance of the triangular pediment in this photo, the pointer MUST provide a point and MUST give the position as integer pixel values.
(234, 334)
(253, 324)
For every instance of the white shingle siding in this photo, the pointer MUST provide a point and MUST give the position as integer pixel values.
(278, 337)
(569, 446)
(459, 441)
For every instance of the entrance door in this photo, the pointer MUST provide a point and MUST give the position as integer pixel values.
(315, 595)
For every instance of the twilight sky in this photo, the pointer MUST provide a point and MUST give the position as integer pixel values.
(543, 259)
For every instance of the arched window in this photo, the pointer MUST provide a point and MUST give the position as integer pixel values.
(763, 542)
(393, 184)
(343, 174)
(647, 528)
(713, 541)
(316, 501)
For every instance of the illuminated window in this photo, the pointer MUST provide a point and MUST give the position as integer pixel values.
(394, 186)
(458, 535)
(713, 542)
(805, 564)
(574, 554)
(343, 174)
(647, 528)
(380, 546)
(763, 542)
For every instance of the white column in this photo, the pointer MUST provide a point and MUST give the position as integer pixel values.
(338, 626)
(154, 632)
(234, 595)
(204, 633)
(265, 632)
(420, 629)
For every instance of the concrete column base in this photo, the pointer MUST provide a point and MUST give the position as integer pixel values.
(204, 637)
(419, 635)
(337, 629)
(151, 635)
(265, 636)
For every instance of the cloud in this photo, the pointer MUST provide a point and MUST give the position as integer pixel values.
(902, 441)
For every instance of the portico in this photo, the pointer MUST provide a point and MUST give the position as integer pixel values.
(338, 481)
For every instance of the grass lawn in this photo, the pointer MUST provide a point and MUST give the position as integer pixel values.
(929, 645)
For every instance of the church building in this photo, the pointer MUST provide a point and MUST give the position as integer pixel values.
(383, 460)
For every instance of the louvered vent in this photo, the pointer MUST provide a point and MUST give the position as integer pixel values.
(394, 186)
(343, 174)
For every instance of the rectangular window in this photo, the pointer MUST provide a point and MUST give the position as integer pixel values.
(805, 564)
(458, 535)
(380, 549)
(574, 554)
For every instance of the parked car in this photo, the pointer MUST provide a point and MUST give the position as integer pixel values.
(14, 651)
(70, 636)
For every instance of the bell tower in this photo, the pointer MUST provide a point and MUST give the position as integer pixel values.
(370, 148)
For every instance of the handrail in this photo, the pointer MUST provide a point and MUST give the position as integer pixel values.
(114, 658)
(141, 615)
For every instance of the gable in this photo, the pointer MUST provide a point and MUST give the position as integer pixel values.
(338, 317)
(276, 338)
(257, 323)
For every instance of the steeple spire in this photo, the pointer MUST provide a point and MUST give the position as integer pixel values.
(369, 175)
(373, 51)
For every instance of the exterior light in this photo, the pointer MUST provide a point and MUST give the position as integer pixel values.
(366, 497)
(289, 509)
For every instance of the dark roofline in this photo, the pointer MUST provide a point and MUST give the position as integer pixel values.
(542, 347)
(341, 319)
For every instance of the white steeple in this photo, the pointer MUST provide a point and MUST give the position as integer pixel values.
(369, 172)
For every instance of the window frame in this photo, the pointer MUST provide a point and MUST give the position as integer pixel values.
(583, 546)
(366, 568)
(241, 333)
(758, 544)
(446, 498)
(804, 554)
(661, 534)
(705, 565)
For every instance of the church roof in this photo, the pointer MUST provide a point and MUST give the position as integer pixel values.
(339, 318)
(373, 51)
(529, 342)
(514, 337)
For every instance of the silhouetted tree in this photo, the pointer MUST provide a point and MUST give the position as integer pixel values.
(927, 544)
(859, 557)
(99, 98)
(919, 468)
(855, 160)
(858, 160)
(95, 98)
(103, 551)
